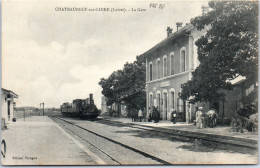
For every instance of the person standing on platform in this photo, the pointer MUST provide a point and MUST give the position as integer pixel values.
(199, 120)
(140, 115)
(174, 116)
(149, 115)
(153, 111)
(156, 115)
(133, 115)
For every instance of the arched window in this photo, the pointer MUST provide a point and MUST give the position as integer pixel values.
(158, 68)
(172, 63)
(172, 98)
(183, 59)
(151, 71)
(165, 66)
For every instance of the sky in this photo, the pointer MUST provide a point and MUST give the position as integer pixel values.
(55, 56)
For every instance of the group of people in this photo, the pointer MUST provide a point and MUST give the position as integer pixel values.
(153, 114)
(208, 119)
(202, 121)
(138, 116)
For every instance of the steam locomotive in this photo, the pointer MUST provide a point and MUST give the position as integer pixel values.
(82, 108)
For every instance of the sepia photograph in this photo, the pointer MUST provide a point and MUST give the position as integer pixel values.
(138, 83)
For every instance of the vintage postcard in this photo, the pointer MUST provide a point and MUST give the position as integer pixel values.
(129, 82)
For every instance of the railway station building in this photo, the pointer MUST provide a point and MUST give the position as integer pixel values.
(7, 104)
(169, 64)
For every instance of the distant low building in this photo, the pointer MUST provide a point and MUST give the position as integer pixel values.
(104, 107)
(8, 104)
(242, 93)
(118, 108)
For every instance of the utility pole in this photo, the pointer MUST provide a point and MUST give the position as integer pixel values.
(24, 115)
(42, 108)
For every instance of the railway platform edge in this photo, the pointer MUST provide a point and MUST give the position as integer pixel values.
(218, 134)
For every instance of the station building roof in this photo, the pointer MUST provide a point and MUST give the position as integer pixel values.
(183, 30)
(5, 91)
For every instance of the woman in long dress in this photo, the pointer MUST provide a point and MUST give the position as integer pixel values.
(199, 120)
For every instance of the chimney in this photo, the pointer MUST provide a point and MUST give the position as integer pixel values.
(169, 31)
(179, 25)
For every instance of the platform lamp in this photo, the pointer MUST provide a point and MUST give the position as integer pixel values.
(42, 108)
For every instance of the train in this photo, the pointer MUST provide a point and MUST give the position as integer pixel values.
(81, 108)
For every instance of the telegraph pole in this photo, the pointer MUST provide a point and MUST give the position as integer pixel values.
(42, 108)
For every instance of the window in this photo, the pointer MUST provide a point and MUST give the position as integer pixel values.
(165, 66)
(172, 99)
(151, 71)
(158, 68)
(183, 60)
(172, 63)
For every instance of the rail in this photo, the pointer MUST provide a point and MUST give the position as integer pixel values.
(118, 143)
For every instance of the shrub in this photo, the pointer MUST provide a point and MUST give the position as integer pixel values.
(252, 124)
(247, 110)
(250, 117)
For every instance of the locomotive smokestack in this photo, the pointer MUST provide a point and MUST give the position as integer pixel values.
(91, 98)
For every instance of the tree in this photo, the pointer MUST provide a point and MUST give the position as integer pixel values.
(229, 49)
(108, 86)
(127, 85)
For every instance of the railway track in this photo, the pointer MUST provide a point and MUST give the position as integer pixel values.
(185, 136)
(169, 133)
(173, 134)
(97, 135)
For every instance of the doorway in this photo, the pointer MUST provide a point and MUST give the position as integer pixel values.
(151, 101)
(159, 101)
(165, 105)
